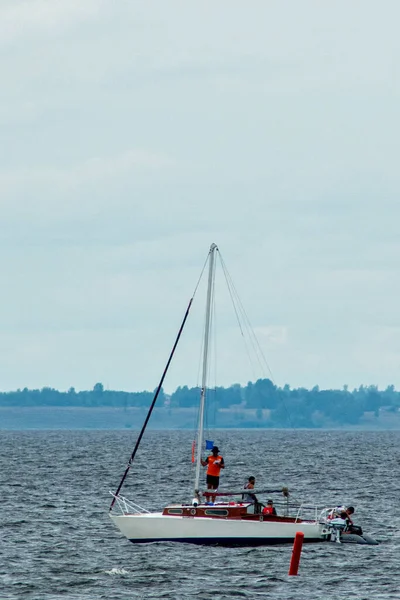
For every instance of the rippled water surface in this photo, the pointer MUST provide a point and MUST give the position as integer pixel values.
(57, 540)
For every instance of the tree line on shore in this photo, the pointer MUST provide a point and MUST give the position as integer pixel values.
(268, 404)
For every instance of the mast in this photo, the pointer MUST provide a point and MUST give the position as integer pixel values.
(206, 348)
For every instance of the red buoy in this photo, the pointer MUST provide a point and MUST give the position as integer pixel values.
(296, 552)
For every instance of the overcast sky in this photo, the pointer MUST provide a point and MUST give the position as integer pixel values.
(134, 134)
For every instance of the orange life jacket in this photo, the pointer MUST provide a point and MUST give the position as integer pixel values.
(268, 510)
(214, 469)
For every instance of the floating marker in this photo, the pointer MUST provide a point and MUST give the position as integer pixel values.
(296, 553)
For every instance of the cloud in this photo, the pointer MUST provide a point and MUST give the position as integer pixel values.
(58, 194)
(22, 19)
(273, 334)
(93, 169)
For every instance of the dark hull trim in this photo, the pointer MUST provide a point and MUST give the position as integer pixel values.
(227, 541)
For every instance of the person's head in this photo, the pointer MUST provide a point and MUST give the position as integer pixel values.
(270, 502)
(350, 510)
(252, 479)
(343, 515)
(215, 450)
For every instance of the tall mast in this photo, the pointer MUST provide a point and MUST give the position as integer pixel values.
(206, 348)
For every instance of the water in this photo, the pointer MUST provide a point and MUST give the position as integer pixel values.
(57, 540)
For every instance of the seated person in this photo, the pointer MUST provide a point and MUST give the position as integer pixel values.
(269, 509)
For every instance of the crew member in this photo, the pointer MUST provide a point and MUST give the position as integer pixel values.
(349, 512)
(252, 498)
(269, 509)
(215, 463)
(249, 497)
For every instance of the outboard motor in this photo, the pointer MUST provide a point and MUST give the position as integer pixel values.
(352, 535)
(342, 532)
(336, 527)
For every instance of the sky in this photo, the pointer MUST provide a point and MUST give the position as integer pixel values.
(134, 134)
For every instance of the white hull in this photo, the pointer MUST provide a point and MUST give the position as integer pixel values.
(157, 527)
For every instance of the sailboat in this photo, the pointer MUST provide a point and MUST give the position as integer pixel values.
(223, 517)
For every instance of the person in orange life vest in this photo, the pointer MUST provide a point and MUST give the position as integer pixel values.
(269, 509)
(215, 463)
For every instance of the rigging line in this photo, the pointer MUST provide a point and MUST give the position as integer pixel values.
(198, 384)
(201, 274)
(229, 281)
(255, 343)
(234, 297)
(230, 293)
(252, 337)
(246, 339)
(196, 416)
(199, 360)
(152, 405)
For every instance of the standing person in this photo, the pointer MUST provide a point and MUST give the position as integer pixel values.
(249, 497)
(215, 463)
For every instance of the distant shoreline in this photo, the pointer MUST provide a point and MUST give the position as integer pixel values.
(21, 418)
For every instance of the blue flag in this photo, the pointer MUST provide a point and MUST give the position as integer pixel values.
(209, 445)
